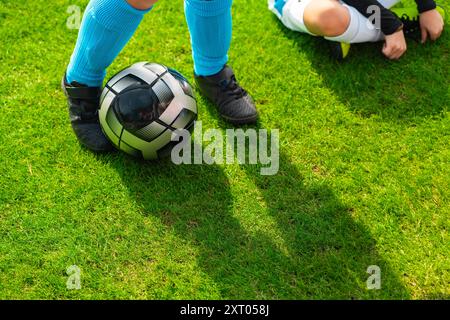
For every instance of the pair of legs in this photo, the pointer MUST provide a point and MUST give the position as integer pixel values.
(109, 24)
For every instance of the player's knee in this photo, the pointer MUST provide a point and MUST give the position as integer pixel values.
(335, 21)
(330, 19)
(142, 4)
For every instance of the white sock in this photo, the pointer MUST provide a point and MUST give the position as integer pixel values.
(360, 28)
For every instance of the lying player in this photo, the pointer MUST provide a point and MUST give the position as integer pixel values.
(354, 21)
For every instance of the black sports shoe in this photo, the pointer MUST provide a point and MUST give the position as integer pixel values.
(83, 103)
(233, 102)
(339, 50)
(409, 16)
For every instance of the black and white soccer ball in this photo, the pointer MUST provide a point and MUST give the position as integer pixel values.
(143, 105)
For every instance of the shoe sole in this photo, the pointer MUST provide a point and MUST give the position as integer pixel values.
(236, 121)
(241, 121)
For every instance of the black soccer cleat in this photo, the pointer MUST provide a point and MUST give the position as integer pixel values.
(339, 50)
(83, 103)
(233, 103)
(409, 16)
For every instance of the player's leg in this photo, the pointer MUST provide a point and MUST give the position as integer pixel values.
(106, 28)
(210, 25)
(339, 22)
(361, 30)
(331, 19)
(358, 29)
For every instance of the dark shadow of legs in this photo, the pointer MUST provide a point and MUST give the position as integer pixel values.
(329, 252)
(194, 201)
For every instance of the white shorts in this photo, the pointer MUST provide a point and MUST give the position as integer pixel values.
(290, 13)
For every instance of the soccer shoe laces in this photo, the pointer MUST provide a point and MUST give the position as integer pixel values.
(232, 88)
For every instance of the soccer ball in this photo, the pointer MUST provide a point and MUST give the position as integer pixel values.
(143, 105)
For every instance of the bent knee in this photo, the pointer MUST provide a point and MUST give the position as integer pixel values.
(141, 4)
(326, 18)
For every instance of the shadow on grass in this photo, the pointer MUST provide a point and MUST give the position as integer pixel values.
(327, 252)
(369, 84)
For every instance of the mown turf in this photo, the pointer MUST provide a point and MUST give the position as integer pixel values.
(364, 173)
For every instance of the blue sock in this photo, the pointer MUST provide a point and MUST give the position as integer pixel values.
(209, 23)
(106, 28)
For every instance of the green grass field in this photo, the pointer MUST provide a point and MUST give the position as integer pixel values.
(364, 173)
